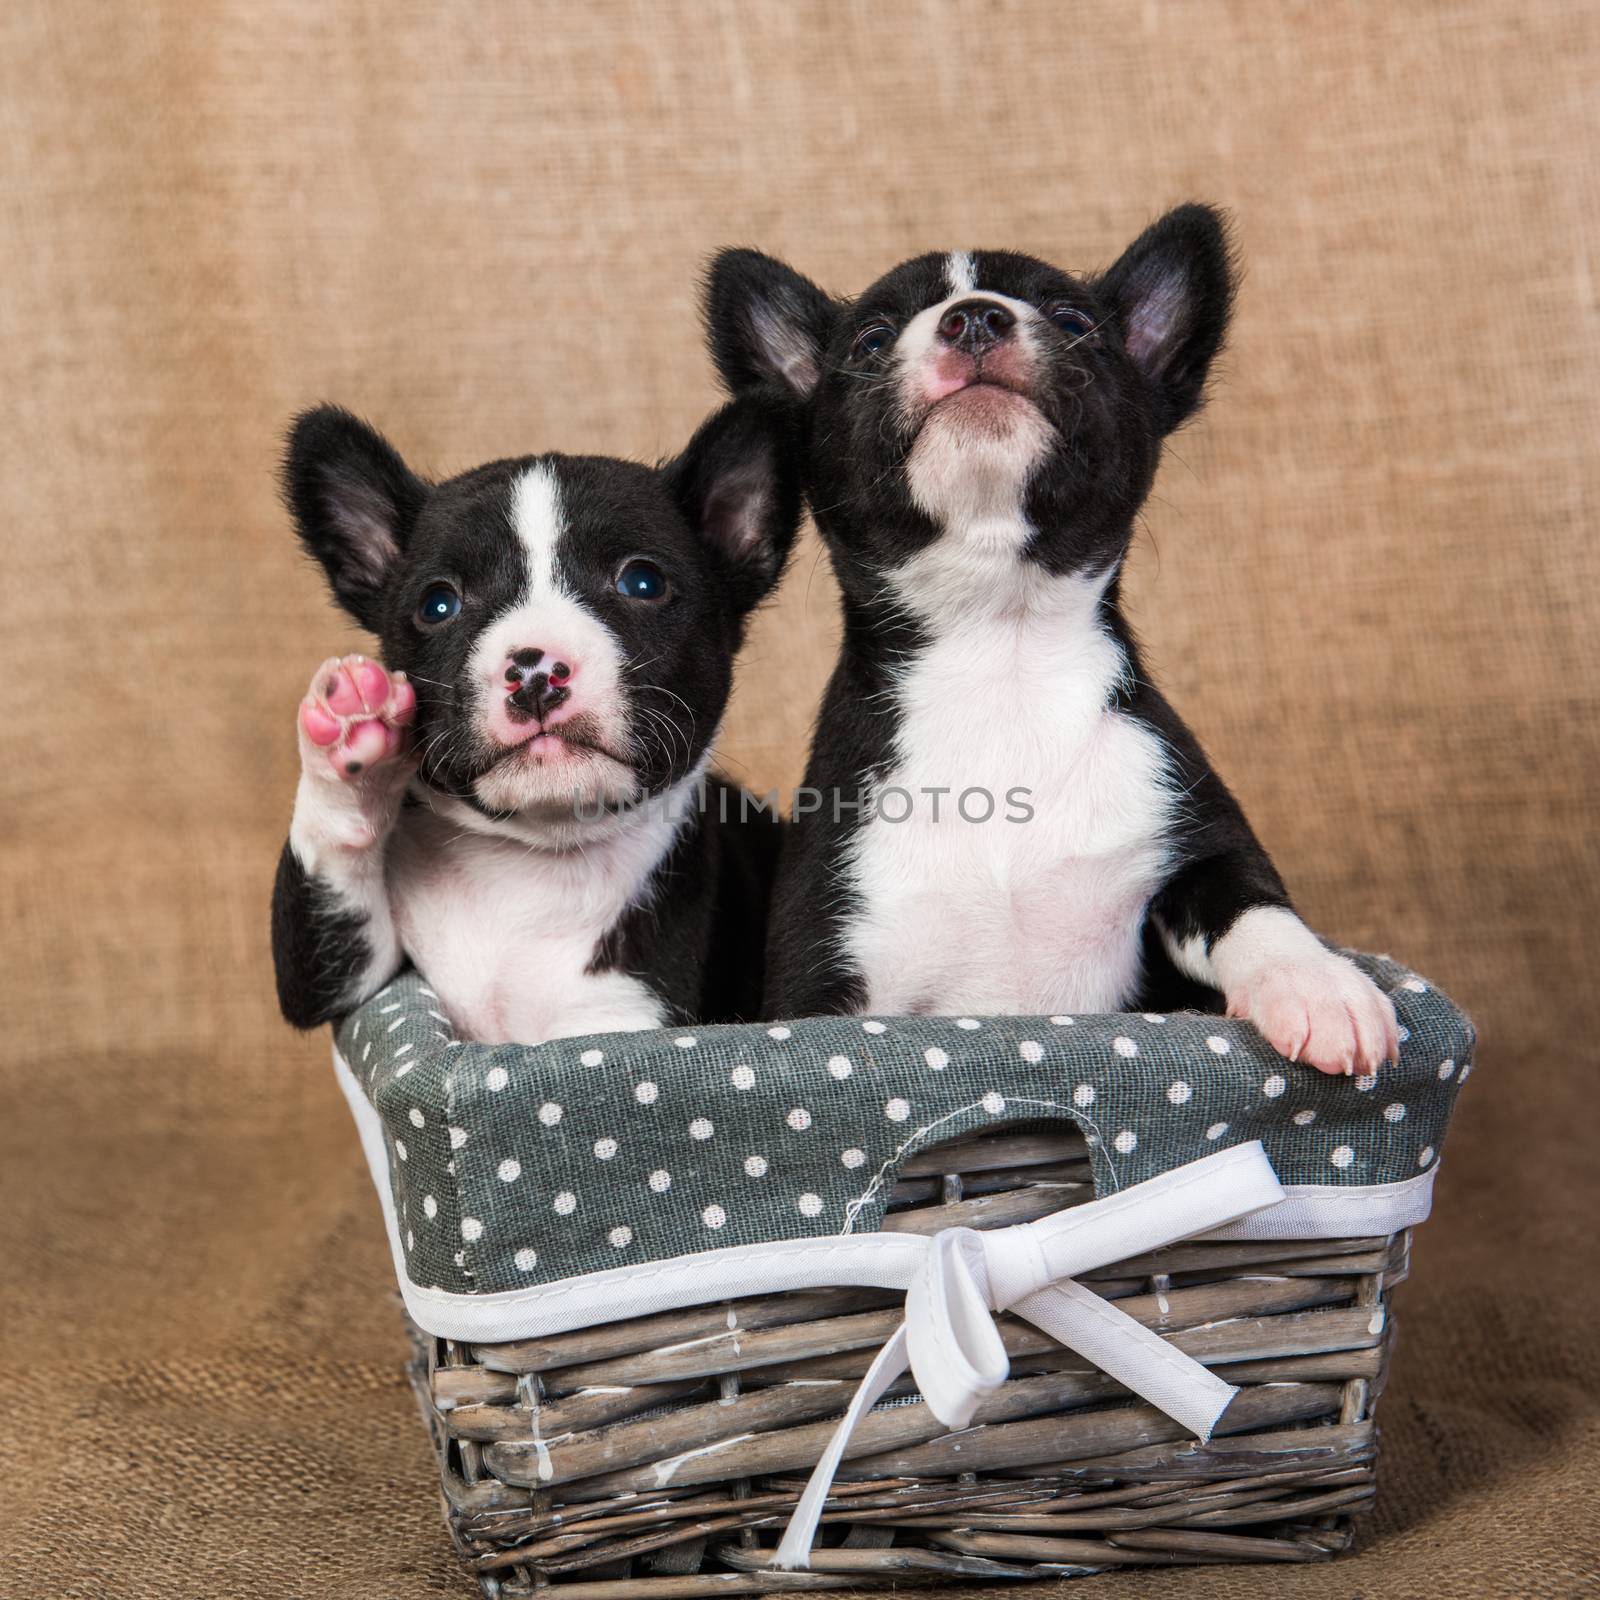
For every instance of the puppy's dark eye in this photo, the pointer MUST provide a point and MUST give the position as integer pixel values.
(639, 579)
(873, 339)
(1069, 319)
(439, 604)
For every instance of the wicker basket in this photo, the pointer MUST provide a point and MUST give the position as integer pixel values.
(662, 1455)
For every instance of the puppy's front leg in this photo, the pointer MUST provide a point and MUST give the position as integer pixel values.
(1226, 922)
(333, 936)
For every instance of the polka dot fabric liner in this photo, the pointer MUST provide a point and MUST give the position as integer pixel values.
(513, 1166)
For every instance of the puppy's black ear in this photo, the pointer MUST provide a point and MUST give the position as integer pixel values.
(354, 501)
(738, 483)
(765, 323)
(1170, 294)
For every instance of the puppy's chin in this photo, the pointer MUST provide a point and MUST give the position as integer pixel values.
(994, 410)
(579, 785)
(972, 455)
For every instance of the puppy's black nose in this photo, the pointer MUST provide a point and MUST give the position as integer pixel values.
(975, 325)
(534, 686)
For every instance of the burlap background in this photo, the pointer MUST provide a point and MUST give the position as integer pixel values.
(1368, 580)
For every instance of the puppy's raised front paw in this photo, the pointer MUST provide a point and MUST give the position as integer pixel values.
(1322, 1010)
(353, 721)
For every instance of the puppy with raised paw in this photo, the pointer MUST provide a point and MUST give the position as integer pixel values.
(1013, 819)
(517, 797)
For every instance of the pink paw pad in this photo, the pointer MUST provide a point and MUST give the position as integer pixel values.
(365, 745)
(355, 714)
(321, 726)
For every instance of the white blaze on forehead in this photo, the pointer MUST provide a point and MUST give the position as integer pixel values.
(536, 514)
(550, 614)
(960, 272)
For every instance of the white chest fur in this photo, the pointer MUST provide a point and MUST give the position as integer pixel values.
(1042, 915)
(506, 932)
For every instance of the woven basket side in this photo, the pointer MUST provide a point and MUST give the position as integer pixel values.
(663, 1456)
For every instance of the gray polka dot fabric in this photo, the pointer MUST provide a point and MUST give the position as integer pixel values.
(513, 1166)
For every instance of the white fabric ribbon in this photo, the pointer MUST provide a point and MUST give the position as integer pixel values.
(953, 1349)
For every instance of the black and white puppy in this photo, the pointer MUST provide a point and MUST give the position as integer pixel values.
(983, 429)
(517, 799)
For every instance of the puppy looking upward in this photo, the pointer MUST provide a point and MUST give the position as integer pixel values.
(982, 429)
(513, 799)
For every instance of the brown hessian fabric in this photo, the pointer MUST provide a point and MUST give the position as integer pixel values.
(1368, 578)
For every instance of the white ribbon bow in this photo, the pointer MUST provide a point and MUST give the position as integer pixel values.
(950, 1342)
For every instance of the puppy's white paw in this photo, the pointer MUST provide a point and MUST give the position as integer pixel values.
(354, 755)
(1311, 1005)
(1327, 1014)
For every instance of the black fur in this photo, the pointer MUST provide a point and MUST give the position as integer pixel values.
(355, 503)
(719, 520)
(1131, 369)
(319, 945)
(352, 496)
(699, 938)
